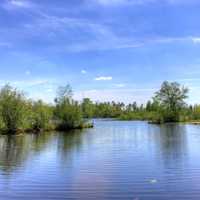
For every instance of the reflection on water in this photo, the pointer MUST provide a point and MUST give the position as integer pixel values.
(170, 141)
(115, 160)
(14, 150)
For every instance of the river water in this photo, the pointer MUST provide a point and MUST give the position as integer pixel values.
(114, 160)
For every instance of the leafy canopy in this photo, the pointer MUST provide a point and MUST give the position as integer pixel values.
(171, 96)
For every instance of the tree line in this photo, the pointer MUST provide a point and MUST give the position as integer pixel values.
(18, 113)
(167, 105)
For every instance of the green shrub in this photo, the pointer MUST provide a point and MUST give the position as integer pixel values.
(42, 116)
(13, 109)
(69, 114)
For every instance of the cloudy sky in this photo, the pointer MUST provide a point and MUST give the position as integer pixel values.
(106, 49)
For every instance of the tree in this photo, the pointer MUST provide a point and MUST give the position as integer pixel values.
(87, 108)
(134, 106)
(64, 92)
(69, 114)
(42, 115)
(13, 108)
(148, 106)
(68, 111)
(171, 99)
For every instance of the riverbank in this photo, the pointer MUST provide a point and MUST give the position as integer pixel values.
(183, 122)
(52, 128)
(193, 122)
(152, 121)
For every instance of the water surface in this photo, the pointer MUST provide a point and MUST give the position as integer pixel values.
(115, 160)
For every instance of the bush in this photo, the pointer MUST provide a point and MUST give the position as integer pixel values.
(69, 114)
(13, 109)
(42, 116)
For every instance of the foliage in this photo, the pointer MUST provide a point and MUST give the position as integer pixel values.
(17, 113)
(13, 108)
(171, 100)
(68, 112)
(171, 96)
(42, 115)
(168, 105)
(108, 110)
(64, 92)
(87, 108)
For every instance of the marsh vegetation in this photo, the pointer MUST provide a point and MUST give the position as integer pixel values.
(167, 105)
(20, 114)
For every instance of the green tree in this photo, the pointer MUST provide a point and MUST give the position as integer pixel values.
(13, 108)
(149, 106)
(42, 115)
(68, 111)
(195, 112)
(64, 92)
(87, 108)
(171, 99)
(69, 114)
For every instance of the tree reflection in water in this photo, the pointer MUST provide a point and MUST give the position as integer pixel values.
(15, 150)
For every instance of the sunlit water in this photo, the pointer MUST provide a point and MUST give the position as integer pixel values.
(115, 160)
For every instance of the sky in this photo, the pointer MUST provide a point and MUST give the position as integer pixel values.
(106, 50)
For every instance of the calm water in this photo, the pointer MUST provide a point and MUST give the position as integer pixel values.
(115, 160)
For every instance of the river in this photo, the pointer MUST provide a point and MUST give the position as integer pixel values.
(114, 160)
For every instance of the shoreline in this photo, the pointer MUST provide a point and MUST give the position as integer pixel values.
(40, 130)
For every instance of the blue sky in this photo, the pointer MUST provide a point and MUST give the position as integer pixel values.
(106, 49)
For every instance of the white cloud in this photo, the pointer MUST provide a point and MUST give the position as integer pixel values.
(26, 83)
(83, 71)
(120, 85)
(27, 72)
(196, 39)
(14, 4)
(103, 78)
(19, 3)
(116, 42)
(141, 2)
(111, 2)
(101, 36)
(182, 1)
(38, 82)
(122, 2)
(49, 90)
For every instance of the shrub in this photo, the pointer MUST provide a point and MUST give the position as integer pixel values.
(69, 114)
(13, 109)
(42, 116)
